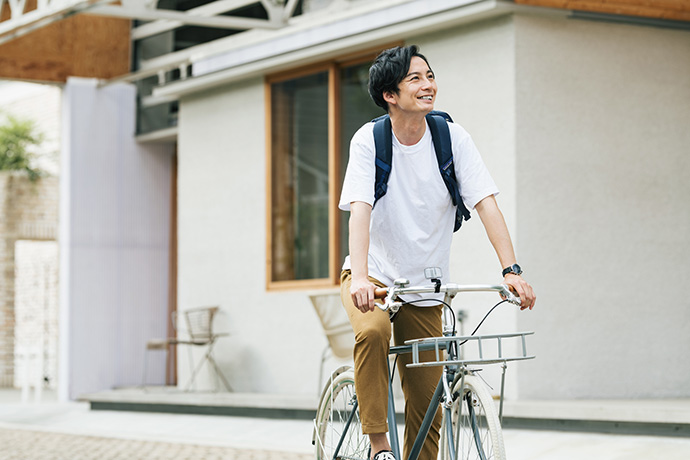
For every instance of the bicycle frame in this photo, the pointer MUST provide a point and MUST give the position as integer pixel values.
(442, 389)
(444, 383)
(454, 367)
(449, 370)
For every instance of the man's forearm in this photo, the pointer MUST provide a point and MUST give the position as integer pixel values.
(360, 216)
(496, 230)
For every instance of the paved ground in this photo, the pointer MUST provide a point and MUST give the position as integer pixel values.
(56, 431)
(37, 445)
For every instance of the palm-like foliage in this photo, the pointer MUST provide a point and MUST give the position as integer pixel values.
(17, 136)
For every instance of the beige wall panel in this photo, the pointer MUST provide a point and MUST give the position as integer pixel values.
(604, 223)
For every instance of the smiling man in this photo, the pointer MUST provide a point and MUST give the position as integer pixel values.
(410, 228)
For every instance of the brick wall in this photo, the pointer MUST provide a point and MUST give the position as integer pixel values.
(28, 211)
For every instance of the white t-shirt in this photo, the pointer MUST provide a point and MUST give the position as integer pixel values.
(412, 224)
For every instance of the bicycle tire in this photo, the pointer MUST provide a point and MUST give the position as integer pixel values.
(335, 409)
(476, 429)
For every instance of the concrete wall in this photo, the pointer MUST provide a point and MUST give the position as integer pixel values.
(114, 241)
(604, 225)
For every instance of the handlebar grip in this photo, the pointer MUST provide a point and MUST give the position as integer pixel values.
(380, 293)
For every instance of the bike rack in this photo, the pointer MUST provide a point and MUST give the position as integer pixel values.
(487, 354)
(438, 344)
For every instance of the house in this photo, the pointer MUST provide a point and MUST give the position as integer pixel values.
(208, 175)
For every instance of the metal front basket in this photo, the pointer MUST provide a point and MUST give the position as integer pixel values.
(479, 349)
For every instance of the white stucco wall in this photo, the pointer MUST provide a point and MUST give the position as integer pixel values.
(583, 126)
(275, 342)
(222, 211)
(604, 223)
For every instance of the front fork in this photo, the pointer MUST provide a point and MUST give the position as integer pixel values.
(447, 403)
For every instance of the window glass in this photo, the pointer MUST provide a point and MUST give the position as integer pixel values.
(300, 178)
(308, 235)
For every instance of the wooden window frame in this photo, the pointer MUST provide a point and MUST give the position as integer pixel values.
(333, 68)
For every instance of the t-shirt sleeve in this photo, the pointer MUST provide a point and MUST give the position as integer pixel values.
(360, 174)
(473, 176)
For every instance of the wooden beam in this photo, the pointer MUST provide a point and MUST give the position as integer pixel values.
(675, 10)
(334, 173)
(82, 46)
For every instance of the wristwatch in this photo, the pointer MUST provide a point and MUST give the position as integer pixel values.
(514, 269)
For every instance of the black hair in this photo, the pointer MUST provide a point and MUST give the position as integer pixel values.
(389, 69)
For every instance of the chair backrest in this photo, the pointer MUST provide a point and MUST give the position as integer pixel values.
(200, 323)
(336, 325)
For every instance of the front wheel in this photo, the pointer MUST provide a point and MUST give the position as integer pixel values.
(337, 426)
(471, 429)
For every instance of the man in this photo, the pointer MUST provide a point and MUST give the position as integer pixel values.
(409, 229)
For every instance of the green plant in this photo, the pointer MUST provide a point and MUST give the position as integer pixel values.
(17, 137)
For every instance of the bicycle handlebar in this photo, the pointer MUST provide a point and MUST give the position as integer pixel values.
(391, 293)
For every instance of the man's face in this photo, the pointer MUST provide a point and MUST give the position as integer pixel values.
(417, 91)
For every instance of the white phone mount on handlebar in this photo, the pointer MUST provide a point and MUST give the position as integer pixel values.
(434, 274)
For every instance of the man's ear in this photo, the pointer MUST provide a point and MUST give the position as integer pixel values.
(389, 97)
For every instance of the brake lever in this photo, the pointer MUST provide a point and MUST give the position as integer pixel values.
(508, 295)
(390, 305)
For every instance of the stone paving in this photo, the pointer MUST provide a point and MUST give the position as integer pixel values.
(39, 445)
(71, 431)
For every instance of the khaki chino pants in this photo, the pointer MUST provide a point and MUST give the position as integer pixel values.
(372, 342)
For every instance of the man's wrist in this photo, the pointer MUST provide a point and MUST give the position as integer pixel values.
(514, 269)
(360, 277)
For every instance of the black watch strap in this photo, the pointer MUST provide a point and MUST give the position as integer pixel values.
(515, 269)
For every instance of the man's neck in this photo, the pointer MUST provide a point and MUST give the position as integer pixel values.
(408, 129)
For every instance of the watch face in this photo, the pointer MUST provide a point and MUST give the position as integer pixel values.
(515, 268)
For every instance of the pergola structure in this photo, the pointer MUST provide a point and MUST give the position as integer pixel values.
(49, 40)
(23, 18)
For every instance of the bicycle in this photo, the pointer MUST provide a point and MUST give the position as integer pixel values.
(473, 432)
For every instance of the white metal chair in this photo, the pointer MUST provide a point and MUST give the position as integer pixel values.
(336, 326)
(199, 328)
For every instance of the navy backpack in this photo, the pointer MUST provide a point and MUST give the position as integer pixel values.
(440, 134)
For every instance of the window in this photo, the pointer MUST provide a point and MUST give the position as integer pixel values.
(313, 114)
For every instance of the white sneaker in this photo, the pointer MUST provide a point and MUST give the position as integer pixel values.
(384, 455)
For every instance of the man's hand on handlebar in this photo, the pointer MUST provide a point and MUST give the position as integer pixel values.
(362, 292)
(522, 289)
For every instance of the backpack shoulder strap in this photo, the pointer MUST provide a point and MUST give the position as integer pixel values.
(383, 141)
(440, 135)
(439, 113)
